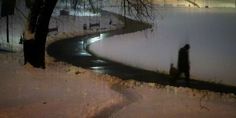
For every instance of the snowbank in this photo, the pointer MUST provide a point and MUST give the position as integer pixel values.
(63, 90)
(59, 91)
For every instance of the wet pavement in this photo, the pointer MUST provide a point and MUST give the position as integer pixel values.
(74, 51)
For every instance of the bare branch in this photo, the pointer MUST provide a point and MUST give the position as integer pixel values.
(137, 8)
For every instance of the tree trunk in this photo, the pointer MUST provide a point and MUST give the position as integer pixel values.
(36, 32)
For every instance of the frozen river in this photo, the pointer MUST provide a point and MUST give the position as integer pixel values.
(210, 32)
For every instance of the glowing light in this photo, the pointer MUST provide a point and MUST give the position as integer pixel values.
(84, 54)
(100, 61)
(195, 3)
(83, 13)
(94, 39)
(97, 67)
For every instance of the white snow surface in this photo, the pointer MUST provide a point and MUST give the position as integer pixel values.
(211, 34)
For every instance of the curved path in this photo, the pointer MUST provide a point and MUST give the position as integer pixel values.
(74, 51)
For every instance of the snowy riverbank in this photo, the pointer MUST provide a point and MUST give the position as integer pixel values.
(62, 90)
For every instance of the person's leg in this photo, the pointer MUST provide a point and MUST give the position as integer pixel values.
(29, 54)
(186, 73)
(179, 73)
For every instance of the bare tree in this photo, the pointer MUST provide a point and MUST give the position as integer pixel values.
(138, 8)
(40, 13)
(36, 32)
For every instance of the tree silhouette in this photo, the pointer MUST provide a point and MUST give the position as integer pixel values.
(40, 13)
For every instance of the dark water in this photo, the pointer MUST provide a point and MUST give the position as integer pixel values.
(74, 51)
(4, 51)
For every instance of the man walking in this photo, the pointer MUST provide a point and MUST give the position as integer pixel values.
(183, 62)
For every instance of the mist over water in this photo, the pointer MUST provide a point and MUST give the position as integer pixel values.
(210, 32)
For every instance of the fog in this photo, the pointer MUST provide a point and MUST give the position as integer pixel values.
(211, 34)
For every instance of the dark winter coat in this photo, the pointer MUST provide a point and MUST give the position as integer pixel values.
(183, 60)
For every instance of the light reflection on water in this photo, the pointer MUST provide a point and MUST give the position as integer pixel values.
(84, 54)
(98, 69)
(95, 39)
(80, 49)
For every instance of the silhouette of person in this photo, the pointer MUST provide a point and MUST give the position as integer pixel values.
(110, 22)
(183, 62)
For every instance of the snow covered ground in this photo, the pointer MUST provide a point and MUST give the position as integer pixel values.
(210, 32)
(60, 91)
(65, 91)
